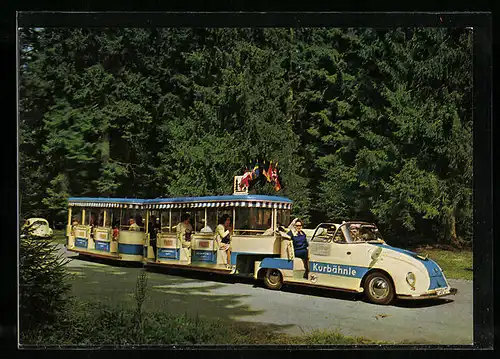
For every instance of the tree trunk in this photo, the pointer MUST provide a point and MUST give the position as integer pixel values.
(105, 155)
(453, 231)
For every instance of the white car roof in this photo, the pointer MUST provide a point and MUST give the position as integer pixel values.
(31, 220)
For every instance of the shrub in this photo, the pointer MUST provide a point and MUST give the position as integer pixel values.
(43, 286)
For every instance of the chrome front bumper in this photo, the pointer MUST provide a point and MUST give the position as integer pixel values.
(435, 293)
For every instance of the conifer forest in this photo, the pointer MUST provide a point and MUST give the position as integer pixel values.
(366, 124)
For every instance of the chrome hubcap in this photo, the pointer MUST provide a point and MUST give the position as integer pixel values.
(379, 288)
(274, 277)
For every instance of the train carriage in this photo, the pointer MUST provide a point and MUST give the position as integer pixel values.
(92, 223)
(252, 216)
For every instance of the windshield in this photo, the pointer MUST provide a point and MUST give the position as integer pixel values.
(362, 232)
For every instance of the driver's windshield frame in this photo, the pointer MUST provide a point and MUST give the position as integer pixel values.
(347, 233)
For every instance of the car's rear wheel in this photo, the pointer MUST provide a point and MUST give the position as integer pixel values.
(273, 279)
(379, 288)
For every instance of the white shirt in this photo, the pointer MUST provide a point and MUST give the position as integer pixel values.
(183, 229)
(206, 229)
(268, 232)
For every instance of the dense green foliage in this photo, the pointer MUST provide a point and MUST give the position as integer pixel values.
(366, 124)
(43, 285)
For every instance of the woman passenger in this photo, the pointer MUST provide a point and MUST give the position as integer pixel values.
(269, 231)
(223, 233)
(116, 231)
(74, 223)
(153, 233)
(300, 243)
(93, 224)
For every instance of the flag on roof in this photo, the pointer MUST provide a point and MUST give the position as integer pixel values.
(255, 170)
(267, 173)
(275, 177)
(245, 179)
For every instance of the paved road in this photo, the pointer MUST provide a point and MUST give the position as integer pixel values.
(298, 310)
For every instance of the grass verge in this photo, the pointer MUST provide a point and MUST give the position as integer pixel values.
(59, 236)
(96, 324)
(456, 264)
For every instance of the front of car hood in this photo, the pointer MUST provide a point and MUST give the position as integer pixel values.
(437, 279)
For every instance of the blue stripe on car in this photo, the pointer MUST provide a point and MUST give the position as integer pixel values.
(338, 269)
(436, 275)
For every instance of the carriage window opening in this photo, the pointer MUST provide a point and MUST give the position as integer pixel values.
(140, 218)
(132, 220)
(198, 219)
(283, 217)
(211, 220)
(109, 218)
(114, 218)
(241, 220)
(164, 220)
(85, 216)
(92, 217)
(76, 215)
(176, 218)
(100, 218)
(154, 221)
(252, 220)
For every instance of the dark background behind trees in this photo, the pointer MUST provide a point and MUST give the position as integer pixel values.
(365, 124)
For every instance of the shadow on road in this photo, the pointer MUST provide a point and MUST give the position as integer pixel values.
(289, 288)
(320, 292)
(422, 303)
(194, 294)
(192, 274)
(106, 261)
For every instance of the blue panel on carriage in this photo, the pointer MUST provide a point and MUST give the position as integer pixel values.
(102, 246)
(169, 253)
(134, 249)
(81, 242)
(204, 256)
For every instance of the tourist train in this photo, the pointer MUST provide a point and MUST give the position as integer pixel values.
(348, 256)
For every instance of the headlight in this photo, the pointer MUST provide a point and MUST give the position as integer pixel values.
(411, 279)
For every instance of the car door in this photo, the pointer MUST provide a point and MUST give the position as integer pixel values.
(337, 263)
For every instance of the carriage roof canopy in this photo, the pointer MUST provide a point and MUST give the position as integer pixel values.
(259, 201)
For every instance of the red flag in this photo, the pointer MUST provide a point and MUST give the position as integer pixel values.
(273, 173)
(277, 185)
(269, 171)
(245, 180)
(274, 177)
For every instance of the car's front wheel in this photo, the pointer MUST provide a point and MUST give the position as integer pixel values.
(379, 288)
(273, 279)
